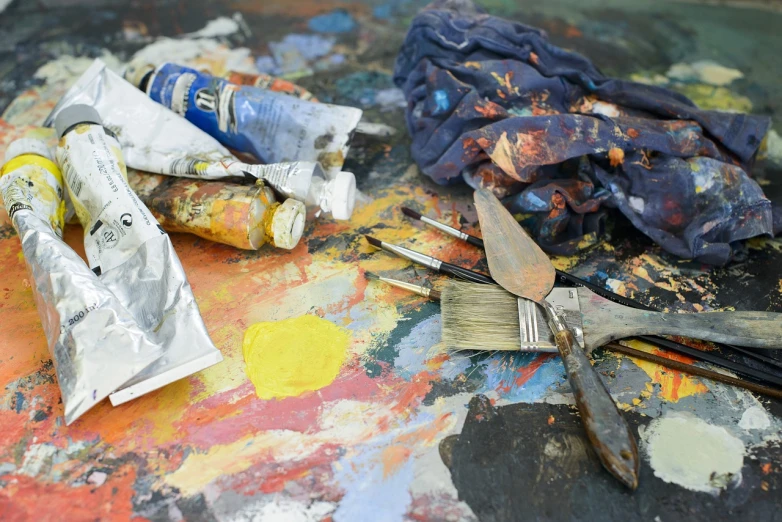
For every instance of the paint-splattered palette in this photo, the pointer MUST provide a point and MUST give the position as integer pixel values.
(389, 435)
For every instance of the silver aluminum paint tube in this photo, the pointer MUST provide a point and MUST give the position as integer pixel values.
(95, 342)
(130, 251)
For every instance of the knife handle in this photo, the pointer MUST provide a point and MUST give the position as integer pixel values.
(605, 427)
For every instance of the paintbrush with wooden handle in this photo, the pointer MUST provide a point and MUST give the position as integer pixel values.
(519, 265)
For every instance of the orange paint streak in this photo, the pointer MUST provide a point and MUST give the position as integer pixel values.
(616, 156)
(393, 457)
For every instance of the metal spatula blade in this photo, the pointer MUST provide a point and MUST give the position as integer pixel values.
(521, 267)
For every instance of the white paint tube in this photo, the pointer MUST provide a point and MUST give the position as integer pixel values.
(131, 253)
(154, 139)
(273, 127)
(95, 342)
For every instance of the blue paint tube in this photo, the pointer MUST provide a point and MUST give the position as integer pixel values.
(272, 127)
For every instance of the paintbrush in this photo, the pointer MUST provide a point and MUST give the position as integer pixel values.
(431, 262)
(566, 278)
(521, 268)
(410, 287)
(512, 342)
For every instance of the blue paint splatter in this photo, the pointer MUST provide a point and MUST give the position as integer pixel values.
(382, 12)
(337, 21)
(441, 101)
(19, 401)
(534, 202)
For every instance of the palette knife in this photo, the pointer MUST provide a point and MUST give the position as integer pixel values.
(518, 265)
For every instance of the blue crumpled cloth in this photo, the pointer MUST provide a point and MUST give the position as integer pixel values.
(493, 103)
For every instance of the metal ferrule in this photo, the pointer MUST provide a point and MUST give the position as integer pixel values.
(555, 321)
(445, 228)
(416, 289)
(415, 257)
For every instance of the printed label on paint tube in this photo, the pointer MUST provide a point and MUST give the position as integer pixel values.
(31, 187)
(116, 222)
(93, 339)
(273, 127)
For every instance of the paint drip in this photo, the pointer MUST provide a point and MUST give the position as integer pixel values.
(684, 450)
(290, 357)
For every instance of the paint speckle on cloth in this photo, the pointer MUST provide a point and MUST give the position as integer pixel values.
(293, 356)
(685, 450)
(492, 103)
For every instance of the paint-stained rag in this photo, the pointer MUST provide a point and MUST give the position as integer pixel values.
(493, 103)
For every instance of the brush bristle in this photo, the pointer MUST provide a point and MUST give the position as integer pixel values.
(374, 242)
(479, 317)
(371, 276)
(409, 212)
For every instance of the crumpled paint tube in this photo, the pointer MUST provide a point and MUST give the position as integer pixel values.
(131, 253)
(95, 342)
(271, 126)
(238, 215)
(155, 139)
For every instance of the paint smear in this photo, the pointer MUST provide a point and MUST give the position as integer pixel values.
(694, 454)
(287, 358)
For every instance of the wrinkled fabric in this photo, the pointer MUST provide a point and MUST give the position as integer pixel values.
(493, 103)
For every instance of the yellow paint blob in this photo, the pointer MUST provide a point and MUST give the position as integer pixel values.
(287, 358)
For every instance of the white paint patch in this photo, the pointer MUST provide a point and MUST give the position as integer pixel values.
(755, 418)
(704, 71)
(221, 26)
(4, 4)
(97, 478)
(636, 204)
(284, 509)
(67, 69)
(197, 52)
(774, 147)
(684, 450)
(606, 109)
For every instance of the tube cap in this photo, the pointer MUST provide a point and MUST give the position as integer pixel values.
(288, 224)
(343, 195)
(27, 146)
(135, 73)
(73, 114)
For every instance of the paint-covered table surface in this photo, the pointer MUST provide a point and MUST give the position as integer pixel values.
(399, 430)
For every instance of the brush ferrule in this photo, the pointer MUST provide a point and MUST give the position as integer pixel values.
(445, 228)
(416, 289)
(412, 255)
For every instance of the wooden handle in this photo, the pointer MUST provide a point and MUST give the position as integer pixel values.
(605, 321)
(605, 427)
(695, 370)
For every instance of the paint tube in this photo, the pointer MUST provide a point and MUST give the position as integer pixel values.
(272, 127)
(270, 83)
(95, 342)
(130, 252)
(238, 215)
(156, 140)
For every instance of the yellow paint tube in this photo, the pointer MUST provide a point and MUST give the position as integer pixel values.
(242, 216)
(94, 340)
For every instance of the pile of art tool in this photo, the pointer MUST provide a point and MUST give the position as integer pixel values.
(510, 310)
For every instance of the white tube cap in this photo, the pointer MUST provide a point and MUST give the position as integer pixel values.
(343, 195)
(288, 224)
(27, 146)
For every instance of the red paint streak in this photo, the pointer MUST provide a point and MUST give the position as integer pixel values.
(633, 133)
(526, 372)
(25, 498)
(573, 32)
(222, 418)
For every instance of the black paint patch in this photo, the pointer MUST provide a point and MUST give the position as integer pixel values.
(533, 462)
